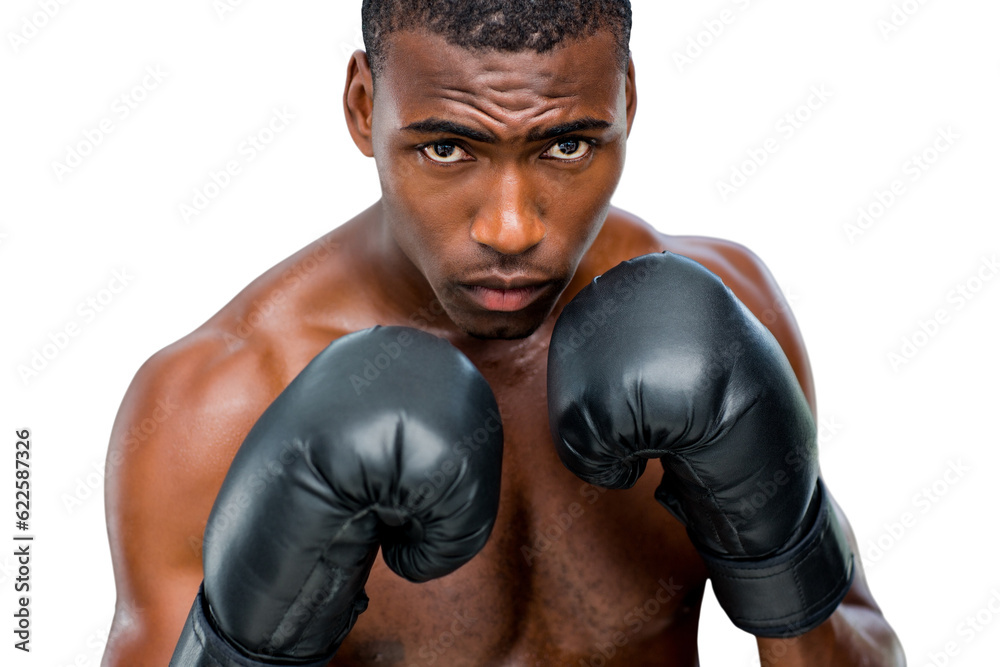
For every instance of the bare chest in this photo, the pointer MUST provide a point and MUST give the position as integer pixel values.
(571, 572)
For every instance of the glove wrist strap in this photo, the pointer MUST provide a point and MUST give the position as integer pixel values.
(791, 593)
(203, 645)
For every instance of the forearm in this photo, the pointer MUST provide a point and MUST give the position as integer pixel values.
(854, 635)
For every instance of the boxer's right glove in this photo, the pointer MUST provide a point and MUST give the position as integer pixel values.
(364, 447)
(658, 359)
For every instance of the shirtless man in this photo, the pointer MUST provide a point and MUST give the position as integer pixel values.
(498, 144)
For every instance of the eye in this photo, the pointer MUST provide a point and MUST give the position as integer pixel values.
(569, 149)
(444, 152)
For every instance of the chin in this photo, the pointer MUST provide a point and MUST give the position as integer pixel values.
(500, 326)
(500, 334)
(507, 331)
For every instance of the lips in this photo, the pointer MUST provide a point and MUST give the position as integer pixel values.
(505, 300)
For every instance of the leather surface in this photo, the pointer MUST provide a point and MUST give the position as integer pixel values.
(364, 447)
(657, 359)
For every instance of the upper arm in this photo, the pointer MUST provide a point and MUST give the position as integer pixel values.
(176, 432)
(751, 281)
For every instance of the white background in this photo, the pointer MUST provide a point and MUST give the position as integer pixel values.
(891, 431)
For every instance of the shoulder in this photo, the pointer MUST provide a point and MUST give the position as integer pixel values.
(179, 425)
(190, 405)
(742, 271)
(738, 266)
(204, 391)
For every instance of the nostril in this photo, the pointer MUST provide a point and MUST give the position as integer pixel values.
(509, 235)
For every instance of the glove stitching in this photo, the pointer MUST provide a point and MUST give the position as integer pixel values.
(711, 496)
(708, 442)
(321, 561)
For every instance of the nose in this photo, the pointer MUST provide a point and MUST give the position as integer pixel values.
(509, 220)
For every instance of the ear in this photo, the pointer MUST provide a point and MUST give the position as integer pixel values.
(631, 99)
(359, 96)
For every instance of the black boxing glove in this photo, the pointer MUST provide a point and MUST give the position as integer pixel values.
(658, 359)
(363, 448)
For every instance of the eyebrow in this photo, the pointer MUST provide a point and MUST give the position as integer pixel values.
(441, 126)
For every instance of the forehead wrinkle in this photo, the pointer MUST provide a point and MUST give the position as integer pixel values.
(497, 80)
(517, 105)
(500, 117)
(540, 83)
(515, 88)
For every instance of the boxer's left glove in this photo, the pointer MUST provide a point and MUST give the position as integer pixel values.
(657, 359)
(359, 450)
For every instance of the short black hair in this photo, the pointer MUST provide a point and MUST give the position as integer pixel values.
(499, 25)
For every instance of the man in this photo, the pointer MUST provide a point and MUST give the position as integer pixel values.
(499, 132)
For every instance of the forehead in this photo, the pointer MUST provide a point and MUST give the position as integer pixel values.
(426, 76)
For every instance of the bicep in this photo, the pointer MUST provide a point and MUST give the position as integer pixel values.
(156, 555)
(161, 482)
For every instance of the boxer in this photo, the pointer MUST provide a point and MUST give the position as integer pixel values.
(498, 130)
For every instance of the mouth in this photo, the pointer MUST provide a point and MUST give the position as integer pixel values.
(505, 298)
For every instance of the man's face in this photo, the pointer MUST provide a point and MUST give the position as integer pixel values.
(497, 169)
